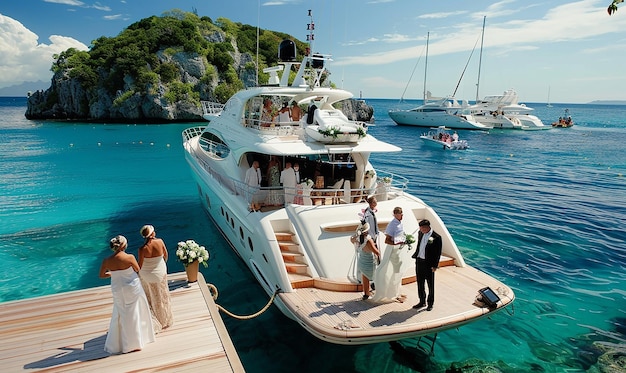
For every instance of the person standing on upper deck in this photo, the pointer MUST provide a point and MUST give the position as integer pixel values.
(296, 112)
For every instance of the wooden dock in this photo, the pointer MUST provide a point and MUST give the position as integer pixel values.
(66, 333)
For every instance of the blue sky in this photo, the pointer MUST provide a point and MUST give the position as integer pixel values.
(573, 49)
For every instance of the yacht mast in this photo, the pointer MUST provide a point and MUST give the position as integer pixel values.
(426, 65)
(480, 60)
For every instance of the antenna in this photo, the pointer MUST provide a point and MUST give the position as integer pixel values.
(311, 27)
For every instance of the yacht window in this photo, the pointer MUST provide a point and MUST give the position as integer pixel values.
(214, 145)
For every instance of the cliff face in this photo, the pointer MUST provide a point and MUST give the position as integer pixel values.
(156, 70)
(67, 98)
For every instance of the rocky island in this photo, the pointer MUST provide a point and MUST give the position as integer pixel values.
(160, 69)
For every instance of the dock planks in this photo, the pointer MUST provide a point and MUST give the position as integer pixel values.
(66, 333)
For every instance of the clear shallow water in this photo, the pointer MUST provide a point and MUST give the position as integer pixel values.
(542, 211)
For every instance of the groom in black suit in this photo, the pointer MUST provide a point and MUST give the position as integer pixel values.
(426, 263)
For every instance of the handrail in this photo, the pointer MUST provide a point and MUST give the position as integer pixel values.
(391, 181)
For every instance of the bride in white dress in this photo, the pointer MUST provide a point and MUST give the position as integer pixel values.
(396, 261)
(131, 322)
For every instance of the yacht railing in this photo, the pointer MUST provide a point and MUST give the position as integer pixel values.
(211, 108)
(387, 185)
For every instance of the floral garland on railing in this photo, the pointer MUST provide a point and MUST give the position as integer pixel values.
(334, 132)
(386, 180)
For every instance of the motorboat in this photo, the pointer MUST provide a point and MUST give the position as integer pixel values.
(564, 121)
(300, 251)
(505, 112)
(441, 138)
(446, 111)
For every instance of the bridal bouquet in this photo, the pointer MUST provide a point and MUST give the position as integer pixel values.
(189, 251)
(409, 240)
(307, 183)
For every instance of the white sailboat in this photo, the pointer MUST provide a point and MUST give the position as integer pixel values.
(301, 252)
(440, 111)
(549, 104)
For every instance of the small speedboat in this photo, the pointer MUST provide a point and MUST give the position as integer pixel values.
(564, 121)
(440, 137)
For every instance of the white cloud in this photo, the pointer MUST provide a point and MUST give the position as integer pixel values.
(113, 17)
(23, 58)
(66, 2)
(441, 15)
(570, 22)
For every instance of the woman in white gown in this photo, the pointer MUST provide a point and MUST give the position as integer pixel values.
(153, 275)
(396, 260)
(131, 323)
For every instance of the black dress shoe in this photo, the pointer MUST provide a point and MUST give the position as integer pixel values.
(430, 308)
(419, 305)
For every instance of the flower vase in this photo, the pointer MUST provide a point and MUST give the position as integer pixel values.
(192, 271)
(382, 190)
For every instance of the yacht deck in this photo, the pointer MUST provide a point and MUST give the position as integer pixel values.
(343, 317)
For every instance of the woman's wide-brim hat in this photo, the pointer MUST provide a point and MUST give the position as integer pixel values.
(363, 228)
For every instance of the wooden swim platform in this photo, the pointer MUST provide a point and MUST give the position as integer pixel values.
(66, 333)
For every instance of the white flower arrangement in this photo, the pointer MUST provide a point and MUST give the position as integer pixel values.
(386, 180)
(430, 239)
(189, 251)
(307, 183)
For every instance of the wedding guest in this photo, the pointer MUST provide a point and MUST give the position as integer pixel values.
(296, 112)
(266, 113)
(284, 115)
(253, 180)
(368, 256)
(388, 275)
(426, 263)
(130, 328)
(274, 196)
(369, 215)
(153, 275)
(288, 179)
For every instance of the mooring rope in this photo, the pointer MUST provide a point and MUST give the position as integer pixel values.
(214, 294)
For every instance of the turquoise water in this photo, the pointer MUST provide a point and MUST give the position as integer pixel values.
(543, 211)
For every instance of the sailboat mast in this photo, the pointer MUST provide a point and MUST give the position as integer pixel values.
(480, 60)
(426, 65)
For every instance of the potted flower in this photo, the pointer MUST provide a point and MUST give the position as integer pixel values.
(191, 255)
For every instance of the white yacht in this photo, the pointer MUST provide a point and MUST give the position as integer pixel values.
(504, 111)
(446, 111)
(301, 251)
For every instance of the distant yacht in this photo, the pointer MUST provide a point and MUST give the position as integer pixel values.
(505, 112)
